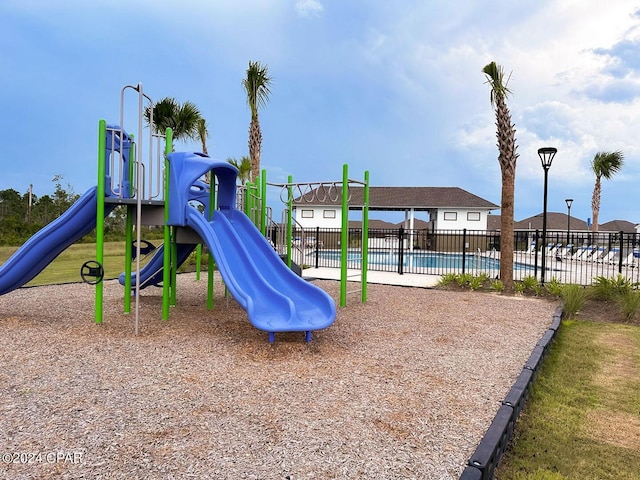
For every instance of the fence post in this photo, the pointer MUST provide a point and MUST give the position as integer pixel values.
(535, 252)
(400, 250)
(317, 244)
(464, 250)
(620, 252)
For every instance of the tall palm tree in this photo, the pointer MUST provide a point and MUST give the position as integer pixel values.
(202, 134)
(183, 118)
(507, 157)
(257, 86)
(244, 168)
(604, 165)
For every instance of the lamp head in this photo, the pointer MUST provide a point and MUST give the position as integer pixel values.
(569, 202)
(546, 155)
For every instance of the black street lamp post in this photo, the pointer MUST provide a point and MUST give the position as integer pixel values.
(569, 202)
(546, 155)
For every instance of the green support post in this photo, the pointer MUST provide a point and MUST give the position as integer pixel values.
(128, 253)
(344, 235)
(263, 203)
(102, 147)
(198, 260)
(167, 230)
(128, 247)
(365, 238)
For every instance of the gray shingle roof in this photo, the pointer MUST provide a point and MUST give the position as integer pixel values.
(400, 198)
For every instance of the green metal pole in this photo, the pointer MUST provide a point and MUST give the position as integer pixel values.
(128, 253)
(166, 277)
(102, 152)
(128, 247)
(263, 203)
(289, 218)
(344, 236)
(198, 260)
(365, 238)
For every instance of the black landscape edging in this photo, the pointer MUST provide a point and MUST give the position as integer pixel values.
(489, 451)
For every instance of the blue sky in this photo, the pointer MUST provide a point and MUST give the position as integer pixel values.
(395, 88)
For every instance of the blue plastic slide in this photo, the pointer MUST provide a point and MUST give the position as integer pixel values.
(275, 298)
(152, 272)
(43, 247)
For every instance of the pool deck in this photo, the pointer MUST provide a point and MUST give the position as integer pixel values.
(386, 278)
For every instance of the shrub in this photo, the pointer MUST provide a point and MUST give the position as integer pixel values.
(518, 287)
(448, 279)
(497, 285)
(629, 303)
(476, 282)
(463, 279)
(574, 297)
(529, 283)
(554, 288)
(606, 289)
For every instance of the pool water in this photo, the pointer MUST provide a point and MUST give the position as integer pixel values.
(423, 260)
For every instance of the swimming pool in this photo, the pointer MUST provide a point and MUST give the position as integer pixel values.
(415, 261)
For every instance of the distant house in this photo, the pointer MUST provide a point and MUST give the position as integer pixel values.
(449, 208)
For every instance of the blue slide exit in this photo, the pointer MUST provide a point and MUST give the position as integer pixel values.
(275, 298)
(152, 272)
(43, 247)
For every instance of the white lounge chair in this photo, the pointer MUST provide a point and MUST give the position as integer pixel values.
(579, 253)
(532, 249)
(611, 257)
(565, 252)
(598, 253)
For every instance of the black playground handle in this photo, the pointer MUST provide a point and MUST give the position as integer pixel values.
(92, 272)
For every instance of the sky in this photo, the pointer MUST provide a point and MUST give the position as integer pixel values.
(393, 88)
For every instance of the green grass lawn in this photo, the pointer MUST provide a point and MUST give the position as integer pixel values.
(66, 267)
(582, 420)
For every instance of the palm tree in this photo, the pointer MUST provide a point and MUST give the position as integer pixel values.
(603, 165)
(257, 87)
(507, 157)
(183, 119)
(244, 168)
(203, 134)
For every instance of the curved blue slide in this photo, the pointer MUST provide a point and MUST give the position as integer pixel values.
(152, 272)
(49, 242)
(275, 298)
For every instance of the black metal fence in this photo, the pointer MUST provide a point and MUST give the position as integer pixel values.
(577, 257)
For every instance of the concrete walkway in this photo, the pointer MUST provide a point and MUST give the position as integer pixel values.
(386, 278)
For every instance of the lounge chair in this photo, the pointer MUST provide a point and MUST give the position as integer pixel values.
(598, 253)
(579, 252)
(611, 257)
(565, 252)
(630, 260)
(532, 249)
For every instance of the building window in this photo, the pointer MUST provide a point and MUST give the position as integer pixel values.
(328, 214)
(450, 216)
(307, 213)
(473, 216)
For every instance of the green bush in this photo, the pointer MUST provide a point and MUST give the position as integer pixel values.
(574, 296)
(448, 279)
(606, 289)
(629, 303)
(554, 288)
(530, 283)
(497, 286)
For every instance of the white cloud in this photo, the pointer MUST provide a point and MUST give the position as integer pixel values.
(309, 8)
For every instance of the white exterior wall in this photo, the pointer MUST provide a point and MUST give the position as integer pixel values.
(459, 218)
(309, 216)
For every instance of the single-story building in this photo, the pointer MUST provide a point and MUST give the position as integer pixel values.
(449, 208)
